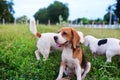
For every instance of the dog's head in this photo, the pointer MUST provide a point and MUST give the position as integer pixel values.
(88, 39)
(67, 36)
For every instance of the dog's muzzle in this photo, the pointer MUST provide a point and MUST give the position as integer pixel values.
(55, 38)
(58, 44)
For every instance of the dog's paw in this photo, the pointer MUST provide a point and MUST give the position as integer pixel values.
(37, 57)
(108, 61)
(44, 59)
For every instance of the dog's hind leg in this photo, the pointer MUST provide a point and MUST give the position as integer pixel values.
(37, 54)
(46, 54)
(109, 56)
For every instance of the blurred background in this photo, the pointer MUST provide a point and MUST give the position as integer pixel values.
(93, 13)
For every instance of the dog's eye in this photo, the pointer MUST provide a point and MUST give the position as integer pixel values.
(64, 33)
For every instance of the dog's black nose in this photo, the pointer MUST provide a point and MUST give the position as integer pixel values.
(55, 38)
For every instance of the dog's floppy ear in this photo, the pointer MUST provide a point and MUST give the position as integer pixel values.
(76, 38)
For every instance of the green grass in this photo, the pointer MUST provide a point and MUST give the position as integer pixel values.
(18, 62)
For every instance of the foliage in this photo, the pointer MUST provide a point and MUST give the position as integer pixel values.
(57, 9)
(99, 21)
(87, 21)
(42, 15)
(61, 22)
(23, 19)
(117, 10)
(18, 62)
(6, 11)
(52, 13)
(78, 20)
(107, 18)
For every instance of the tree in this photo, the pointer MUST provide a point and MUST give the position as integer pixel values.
(52, 13)
(42, 15)
(6, 11)
(117, 10)
(98, 21)
(107, 18)
(77, 21)
(22, 20)
(85, 20)
(57, 9)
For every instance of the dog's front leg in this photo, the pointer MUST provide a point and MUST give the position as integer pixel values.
(62, 68)
(78, 71)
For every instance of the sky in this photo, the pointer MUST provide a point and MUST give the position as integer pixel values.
(91, 9)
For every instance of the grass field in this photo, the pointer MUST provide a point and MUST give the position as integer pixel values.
(18, 62)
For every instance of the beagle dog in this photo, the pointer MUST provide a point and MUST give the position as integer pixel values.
(73, 61)
(109, 46)
(46, 41)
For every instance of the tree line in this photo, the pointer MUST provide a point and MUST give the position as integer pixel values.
(53, 13)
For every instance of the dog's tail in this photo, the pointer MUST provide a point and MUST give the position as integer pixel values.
(33, 28)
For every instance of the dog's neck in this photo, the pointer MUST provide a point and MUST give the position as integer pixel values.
(68, 45)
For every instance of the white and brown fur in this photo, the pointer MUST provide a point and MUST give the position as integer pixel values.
(46, 41)
(73, 61)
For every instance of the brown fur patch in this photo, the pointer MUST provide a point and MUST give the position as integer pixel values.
(77, 53)
(66, 33)
(76, 38)
(38, 34)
